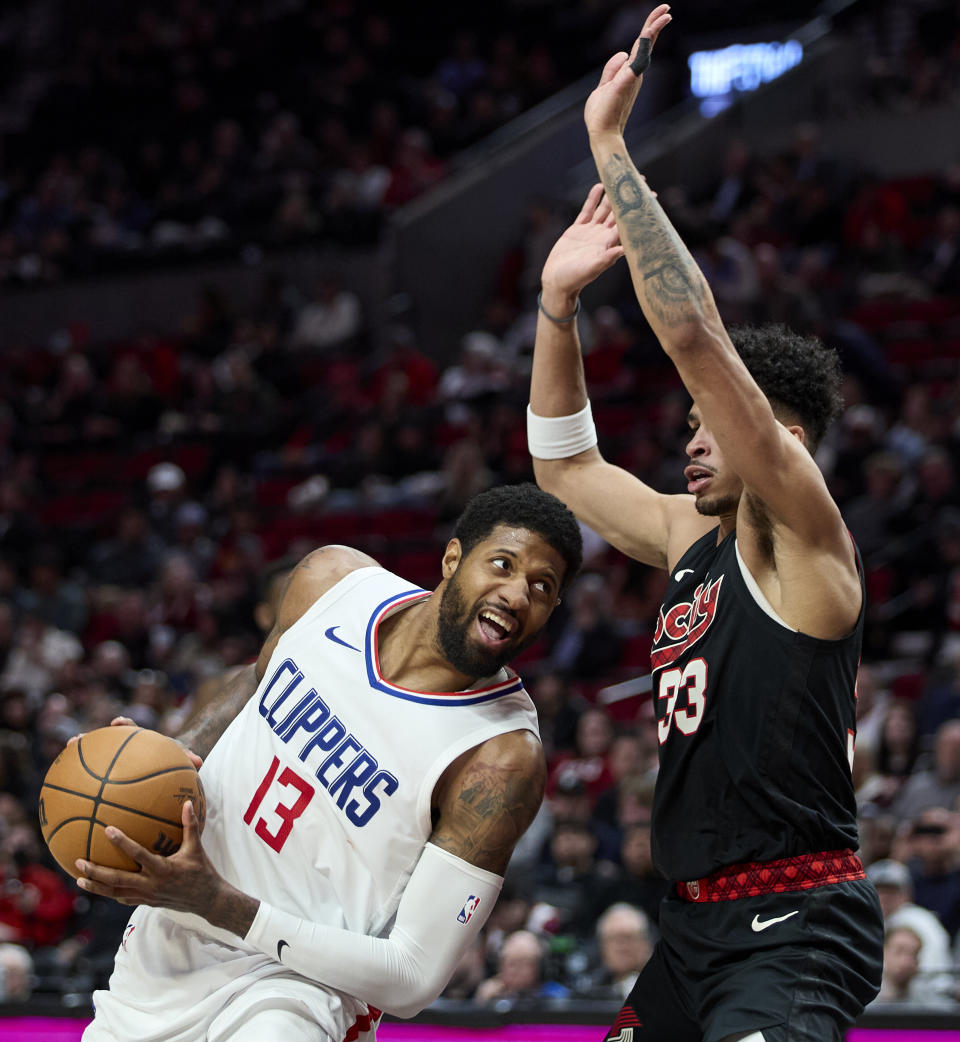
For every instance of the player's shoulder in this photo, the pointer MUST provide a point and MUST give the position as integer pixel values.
(319, 571)
(516, 756)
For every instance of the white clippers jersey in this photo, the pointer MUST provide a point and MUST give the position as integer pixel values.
(319, 792)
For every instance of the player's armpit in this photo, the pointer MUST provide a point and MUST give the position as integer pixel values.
(487, 798)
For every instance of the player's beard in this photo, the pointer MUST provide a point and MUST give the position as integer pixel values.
(716, 506)
(454, 621)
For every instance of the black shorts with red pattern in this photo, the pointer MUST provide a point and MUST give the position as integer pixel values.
(798, 965)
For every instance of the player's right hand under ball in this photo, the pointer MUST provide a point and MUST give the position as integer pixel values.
(183, 882)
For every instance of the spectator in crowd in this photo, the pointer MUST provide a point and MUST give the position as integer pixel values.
(895, 888)
(166, 491)
(558, 710)
(16, 973)
(470, 971)
(332, 321)
(633, 767)
(39, 652)
(636, 881)
(589, 644)
(521, 973)
(872, 515)
(932, 853)
(897, 752)
(129, 558)
(877, 829)
(58, 601)
(36, 905)
(941, 697)
(625, 944)
(571, 874)
(18, 770)
(937, 786)
(588, 761)
(903, 982)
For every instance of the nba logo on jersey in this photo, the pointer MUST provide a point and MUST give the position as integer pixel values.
(469, 907)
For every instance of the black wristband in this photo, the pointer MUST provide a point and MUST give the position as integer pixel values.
(553, 318)
(641, 62)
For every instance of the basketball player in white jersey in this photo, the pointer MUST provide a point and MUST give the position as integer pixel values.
(361, 807)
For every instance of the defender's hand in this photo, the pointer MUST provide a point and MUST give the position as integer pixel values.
(586, 249)
(611, 103)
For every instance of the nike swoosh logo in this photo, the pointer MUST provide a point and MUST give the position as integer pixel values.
(280, 947)
(757, 925)
(331, 634)
(683, 571)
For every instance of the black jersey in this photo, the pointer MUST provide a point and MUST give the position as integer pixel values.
(756, 724)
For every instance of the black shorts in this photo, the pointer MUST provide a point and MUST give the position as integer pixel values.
(798, 966)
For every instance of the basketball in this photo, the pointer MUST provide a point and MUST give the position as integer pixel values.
(134, 779)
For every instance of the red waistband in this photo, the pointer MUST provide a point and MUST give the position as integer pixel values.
(774, 877)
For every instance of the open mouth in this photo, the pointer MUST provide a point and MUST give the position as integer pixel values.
(697, 478)
(496, 627)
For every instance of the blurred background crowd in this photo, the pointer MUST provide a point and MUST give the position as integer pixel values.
(153, 489)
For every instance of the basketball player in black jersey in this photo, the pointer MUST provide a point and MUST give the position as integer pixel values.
(770, 933)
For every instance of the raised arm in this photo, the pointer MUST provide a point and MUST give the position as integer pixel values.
(769, 457)
(484, 803)
(566, 461)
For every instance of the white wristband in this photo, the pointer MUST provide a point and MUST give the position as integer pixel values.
(557, 437)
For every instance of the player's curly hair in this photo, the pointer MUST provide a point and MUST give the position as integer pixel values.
(797, 372)
(525, 506)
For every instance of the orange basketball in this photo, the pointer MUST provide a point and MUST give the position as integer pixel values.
(134, 779)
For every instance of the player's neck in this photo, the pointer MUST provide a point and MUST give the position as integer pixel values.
(728, 524)
(408, 654)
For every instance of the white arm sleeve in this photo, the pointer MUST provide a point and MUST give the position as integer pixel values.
(443, 908)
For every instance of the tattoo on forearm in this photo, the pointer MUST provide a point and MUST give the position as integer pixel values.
(672, 286)
(627, 194)
(670, 281)
(220, 706)
(230, 910)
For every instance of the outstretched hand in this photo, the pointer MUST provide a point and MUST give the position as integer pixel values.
(586, 249)
(611, 102)
(185, 881)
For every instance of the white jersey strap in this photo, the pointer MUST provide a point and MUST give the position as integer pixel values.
(443, 908)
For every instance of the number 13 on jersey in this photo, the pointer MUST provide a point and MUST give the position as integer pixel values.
(287, 813)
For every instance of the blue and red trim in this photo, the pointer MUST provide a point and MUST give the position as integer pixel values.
(431, 698)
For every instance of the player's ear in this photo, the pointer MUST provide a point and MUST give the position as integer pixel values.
(264, 616)
(798, 432)
(451, 557)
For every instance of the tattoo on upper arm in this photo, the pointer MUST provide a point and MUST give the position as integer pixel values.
(482, 820)
(673, 285)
